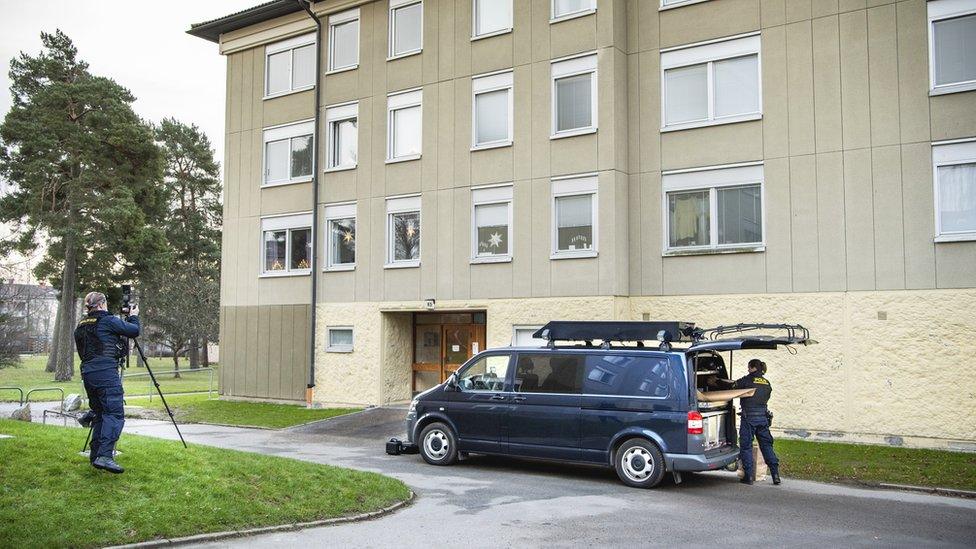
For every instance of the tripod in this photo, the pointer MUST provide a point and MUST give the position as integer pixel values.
(152, 376)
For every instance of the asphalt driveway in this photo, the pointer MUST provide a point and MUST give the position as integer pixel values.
(498, 502)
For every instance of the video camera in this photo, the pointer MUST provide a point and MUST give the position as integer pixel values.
(126, 298)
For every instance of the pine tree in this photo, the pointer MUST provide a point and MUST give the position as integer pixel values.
(184, 306)
(84, 169)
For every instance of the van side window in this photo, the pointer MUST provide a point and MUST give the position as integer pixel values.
(645, 376)
(486, 374)
(549, 373)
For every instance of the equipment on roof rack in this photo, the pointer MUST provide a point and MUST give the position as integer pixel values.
(615, 331)
(785, 334)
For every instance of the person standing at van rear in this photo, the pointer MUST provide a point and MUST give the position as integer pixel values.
(755, 422)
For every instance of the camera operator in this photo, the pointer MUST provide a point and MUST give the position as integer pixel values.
(100, 345)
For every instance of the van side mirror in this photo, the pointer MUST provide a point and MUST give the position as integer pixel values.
(451, 383)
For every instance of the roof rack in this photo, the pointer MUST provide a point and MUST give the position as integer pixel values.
(789, 334)
(616, 331)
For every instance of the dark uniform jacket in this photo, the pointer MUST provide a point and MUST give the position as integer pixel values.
(756, 404)
(98, 337)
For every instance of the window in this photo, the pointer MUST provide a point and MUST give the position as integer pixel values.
(491, 111)
(486, 374)
(566, 9)
(403, 231)
(406, 27)
(574, 207)
(289, 66)
(954, 166)
(713, 209)
(491, 17)
(286, 245)
(288, 154)
(717, 83)
(340, 237)
(641, 376)
(340, 339)
(404, 125)
(491, 227)
(549, 373)
(574, 96)
(675, 3)
(342, 135)
(344, 40)
(952, 41)
(522, 337)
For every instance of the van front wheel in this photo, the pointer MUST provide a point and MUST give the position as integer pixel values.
(438, 445)
(639, 463)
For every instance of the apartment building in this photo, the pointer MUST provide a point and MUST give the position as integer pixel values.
(484, 166)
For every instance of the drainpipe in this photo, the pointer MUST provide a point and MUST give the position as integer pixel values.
(307, 6)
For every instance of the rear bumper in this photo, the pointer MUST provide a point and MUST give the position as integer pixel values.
(700, 462)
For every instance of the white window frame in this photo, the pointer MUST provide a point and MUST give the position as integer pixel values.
(491, 195)
(397, 101)
(553, 18)
(950, 153)
(709, 53)
(334, 115)
(474, 20)
(336, 20)
(939, 10)
(333, 212)
(712, 178)
(678, 4)
(290, 44)
(486, 83)
(398, 205)
(288, 223)
(304, 128)
(395, 5)
(523, 327)
(585, 63)
(574, 185)
(330, 348)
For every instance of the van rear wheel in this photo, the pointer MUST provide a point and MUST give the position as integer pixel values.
(438, 445)
(639, 463)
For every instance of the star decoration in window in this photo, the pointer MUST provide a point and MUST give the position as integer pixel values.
(495, 240)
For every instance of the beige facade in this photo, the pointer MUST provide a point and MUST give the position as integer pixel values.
(845, 144)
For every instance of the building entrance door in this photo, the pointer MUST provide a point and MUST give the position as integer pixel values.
(443, 342)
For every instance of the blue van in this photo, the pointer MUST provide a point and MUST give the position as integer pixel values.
(632, 407)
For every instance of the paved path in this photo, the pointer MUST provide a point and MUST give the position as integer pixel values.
(495, 502)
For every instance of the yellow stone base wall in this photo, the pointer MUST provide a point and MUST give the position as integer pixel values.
(893, 367)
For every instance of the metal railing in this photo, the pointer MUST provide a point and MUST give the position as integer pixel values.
(19, 390)
(152, 389)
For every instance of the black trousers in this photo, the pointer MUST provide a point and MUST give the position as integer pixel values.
(104, 388)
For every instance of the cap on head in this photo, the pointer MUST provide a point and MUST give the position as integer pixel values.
(93, 300)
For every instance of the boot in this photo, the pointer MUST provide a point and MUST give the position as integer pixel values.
(746, 480)
(107, 464)
(776, 480)
(85, 420)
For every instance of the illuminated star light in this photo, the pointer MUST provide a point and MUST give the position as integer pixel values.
(495, 240)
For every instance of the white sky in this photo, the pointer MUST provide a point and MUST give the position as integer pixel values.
(141, 45)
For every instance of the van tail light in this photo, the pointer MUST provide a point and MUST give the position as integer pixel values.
(695, 425)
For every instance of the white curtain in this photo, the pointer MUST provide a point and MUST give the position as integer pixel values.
(955, 50)
(491, 116)
(345, 44)
(303, 67)
(278, 72)
(493, 15)
(574, 102)
(276, 160)
(736, 86)
(686, 94)
(346, 143)
(406, 128)
(407, 28)
(957, 197)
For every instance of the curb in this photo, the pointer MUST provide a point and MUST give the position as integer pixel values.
(217, 536)
(930, 490)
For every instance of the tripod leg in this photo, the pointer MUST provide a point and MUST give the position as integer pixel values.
(158, 390)
(87, 438)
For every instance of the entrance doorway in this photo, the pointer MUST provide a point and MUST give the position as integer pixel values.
(443, 342)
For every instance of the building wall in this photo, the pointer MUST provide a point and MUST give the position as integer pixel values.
(845, 139)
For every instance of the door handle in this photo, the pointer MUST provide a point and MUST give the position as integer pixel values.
(498, 397)
(518, 399)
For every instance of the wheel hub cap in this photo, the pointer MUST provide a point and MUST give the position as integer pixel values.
(637, 464)
(436, 444)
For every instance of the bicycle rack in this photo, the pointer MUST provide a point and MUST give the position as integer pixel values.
(18, 389)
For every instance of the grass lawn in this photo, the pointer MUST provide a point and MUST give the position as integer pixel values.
(854, 463)
(51, 497)
(31, 375)
(198, 409)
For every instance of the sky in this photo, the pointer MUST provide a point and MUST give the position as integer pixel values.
(141, 45)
